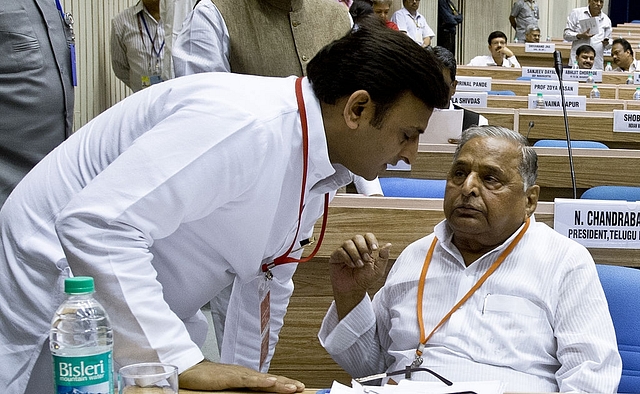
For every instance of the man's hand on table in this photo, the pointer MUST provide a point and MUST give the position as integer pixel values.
(210, 376)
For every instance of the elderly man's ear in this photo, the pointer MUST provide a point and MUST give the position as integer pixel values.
(533, 193)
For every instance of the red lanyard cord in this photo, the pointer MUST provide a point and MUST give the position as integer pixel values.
(284, 258)
(423, 278)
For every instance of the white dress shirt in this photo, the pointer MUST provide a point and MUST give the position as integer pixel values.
(203, 43)
(416, 27)
(172, 13)
(487, 60)
(540, 322)
(634, 66)
(137, 47)
(573, 28)
(165, 199)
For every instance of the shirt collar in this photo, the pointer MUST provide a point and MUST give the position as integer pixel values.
(323, 175)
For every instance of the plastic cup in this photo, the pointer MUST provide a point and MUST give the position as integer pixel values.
(148, 378)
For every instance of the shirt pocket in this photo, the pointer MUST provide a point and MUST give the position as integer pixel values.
(18, 43)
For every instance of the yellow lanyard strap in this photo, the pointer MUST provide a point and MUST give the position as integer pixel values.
(423, 277)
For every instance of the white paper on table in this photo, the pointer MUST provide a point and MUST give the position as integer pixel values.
(419, 387)
(481, 387)
(589, 25)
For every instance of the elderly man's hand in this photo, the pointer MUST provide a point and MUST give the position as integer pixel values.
(210, 376)
(354, 267)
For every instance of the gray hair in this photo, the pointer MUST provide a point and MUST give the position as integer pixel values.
(531, 28)
(528, 167)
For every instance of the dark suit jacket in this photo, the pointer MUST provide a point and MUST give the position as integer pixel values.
(36, 90)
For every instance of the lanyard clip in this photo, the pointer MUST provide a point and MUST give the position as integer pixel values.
(417, 361)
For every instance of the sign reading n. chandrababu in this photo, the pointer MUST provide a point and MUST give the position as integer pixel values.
(599, 223)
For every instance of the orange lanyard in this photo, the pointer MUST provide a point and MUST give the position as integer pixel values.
(423, 277)
(284, 259)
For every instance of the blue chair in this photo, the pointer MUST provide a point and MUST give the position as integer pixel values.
(606, 192)
(574, 144)
(501, 93)
(410, 187)
(622, 288)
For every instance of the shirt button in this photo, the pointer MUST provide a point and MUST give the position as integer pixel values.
(305, 58)
(295, 23)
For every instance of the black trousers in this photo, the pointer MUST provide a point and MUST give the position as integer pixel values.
(447, 39)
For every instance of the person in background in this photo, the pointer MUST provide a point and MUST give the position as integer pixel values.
(410, 21)
(532, 34)
(448, 20)
(360, 9)
(523, 14)
(172, 14)
(195, 183)
(478, 299)
(500, 55)
(599, 39)
(449, 68)
(622, 54)
(381, 8)
(37, 78)
(137, 45)
(585, 55)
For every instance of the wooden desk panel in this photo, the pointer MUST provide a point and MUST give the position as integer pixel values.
(504, 117)
(625, 92)
(632, 105)
(536, 59)
(587, 125)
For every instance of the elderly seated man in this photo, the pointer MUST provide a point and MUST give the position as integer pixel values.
(532, 34)
(490, 295)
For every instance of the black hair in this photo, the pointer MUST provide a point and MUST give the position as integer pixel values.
(496, 34)
(360, 9)
(384, 62)
(447, 59)
(585, 48)
(625, 45)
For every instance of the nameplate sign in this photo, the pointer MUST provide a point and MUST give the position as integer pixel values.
(581, 74)
(626, 121)
(606, 52)
(636, 78)
(554, 101)
(539, 72)
(547, 86)
(598, 223)
(470, 99)
(539, 47)
(473, 84)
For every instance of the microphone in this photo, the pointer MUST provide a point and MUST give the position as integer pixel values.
(557, 63)
(531, 124)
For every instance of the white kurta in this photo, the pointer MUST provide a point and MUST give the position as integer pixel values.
(540, 322)
(487, 60)
(165, 199)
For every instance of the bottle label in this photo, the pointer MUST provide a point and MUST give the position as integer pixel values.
(83, 374)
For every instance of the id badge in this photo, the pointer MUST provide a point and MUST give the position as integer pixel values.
(148, 80)
(265, 315)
